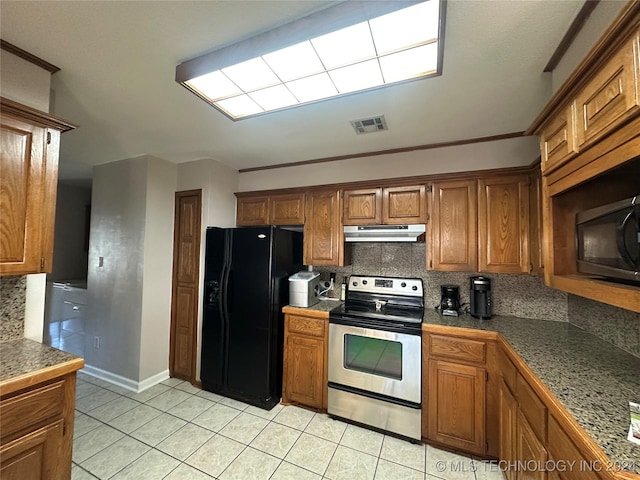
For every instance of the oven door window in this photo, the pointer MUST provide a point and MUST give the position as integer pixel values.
(373, 355)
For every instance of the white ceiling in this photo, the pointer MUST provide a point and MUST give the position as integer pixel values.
(118, 60)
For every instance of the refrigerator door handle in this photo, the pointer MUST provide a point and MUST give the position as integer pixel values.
(229, 294)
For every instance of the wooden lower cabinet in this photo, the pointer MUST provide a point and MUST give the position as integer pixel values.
(305, 361)
(457, 405)
(508, 411)
(33, 456)
(530, 452)
(36, 430)
(455, 392)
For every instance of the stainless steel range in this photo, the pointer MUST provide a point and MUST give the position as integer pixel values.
(375, 341)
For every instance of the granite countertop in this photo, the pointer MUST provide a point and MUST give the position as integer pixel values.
(594, 380)
(24, 362)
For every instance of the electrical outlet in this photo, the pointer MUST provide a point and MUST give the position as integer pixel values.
(96, 342)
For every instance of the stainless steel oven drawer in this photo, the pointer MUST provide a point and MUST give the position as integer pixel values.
(391, 417)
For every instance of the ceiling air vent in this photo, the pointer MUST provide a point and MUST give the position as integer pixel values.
(369, 125)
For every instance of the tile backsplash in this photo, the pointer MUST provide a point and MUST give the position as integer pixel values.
(523, 295)
(13, 291)
(614, 325)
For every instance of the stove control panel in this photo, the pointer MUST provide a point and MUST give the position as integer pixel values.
(389, 285)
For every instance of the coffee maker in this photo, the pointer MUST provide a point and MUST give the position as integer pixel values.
(450, 300)
(480, 296)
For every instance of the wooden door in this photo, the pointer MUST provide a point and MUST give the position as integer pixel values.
(508, 409)
(362, 207)
(286, 209)
(457, 405)
(304, 376)
(503, 224)
(529, 450)
(323, 233)
(252, 211)
(453, 225)
(186, 272)
(21, 196)
(34, 456)
(402, 205)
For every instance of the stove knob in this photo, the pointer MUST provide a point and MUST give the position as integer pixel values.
(364, 282)
(414, 288)
(403, 284)
(355, 284)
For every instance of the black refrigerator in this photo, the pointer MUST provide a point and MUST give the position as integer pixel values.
(246, 285)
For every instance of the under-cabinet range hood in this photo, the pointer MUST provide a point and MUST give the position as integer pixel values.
(384, 233)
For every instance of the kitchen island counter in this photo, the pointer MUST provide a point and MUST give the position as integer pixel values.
(592, 379)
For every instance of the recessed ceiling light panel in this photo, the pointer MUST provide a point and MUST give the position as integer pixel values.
(400, 43)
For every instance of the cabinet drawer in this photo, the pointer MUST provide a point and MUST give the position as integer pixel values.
(610, 97)
(532, 408)
(457, 348)
(563, 449)
(30, 408)
(557, 142)
(305, 326)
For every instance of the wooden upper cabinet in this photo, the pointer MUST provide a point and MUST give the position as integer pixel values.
(323, 233)
(453, 227)
(402, 205)
(252, 211)
(286, 209)
(28, 186)
(503, 224)
(385, 206)
(557, 140)
(362, 207)
(612, 96)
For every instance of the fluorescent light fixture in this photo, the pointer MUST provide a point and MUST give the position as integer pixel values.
(346, 48)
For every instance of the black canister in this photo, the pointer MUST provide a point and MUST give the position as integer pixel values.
(480, 296)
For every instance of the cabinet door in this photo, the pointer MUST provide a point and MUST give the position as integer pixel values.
(508, 409)
(453, 245)
(503, 224)
(402, 205)
(286, 209)
(557, 143)
(34, 456)
(362, 207)
(611, 97)
(529, 451)
(252, 211)
(304, 370)
(22, 185)
(457, 405)
(323, 234)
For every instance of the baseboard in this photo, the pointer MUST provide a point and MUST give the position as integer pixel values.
(124, 382)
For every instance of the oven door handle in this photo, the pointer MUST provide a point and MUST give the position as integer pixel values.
(406, 328)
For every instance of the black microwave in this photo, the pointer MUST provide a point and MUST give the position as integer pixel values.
(609, 240)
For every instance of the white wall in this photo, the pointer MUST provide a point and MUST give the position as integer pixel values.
(478, 156)
(601, 17)
(158, 267)
(115, 289)
(69, 254)
(218, 183)
(24, 82)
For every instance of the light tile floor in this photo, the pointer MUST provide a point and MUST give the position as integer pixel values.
(174, 431)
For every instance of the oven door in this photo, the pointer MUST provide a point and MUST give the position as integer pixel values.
(377, 361)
